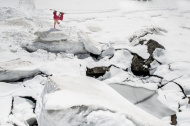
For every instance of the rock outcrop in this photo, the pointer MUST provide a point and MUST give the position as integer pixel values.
(141, 66)
(96, 71)
(62, 41)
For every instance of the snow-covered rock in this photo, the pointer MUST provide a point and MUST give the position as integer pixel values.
(89, 44)
(7, 89)
(136, 38)
(69, 67)
(5, 108)
(122, 59)
(52, 35)
(16, 69)
(115, 75)
(55, 40)
(108, 52)
(63, 96)
(23, 109)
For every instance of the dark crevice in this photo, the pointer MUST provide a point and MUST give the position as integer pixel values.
(117, 67)
(179, 107)
(156, 76)
(12, 106)
(145, 99)
(24, 78)
(94, 56)
(158, 61)
(181, 88)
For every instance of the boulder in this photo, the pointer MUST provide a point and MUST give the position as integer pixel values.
(17, 69)
(69, 41)
(108, 52)
(76, 100)
(138, 66)
(97, 71)
(51, 35)
(89, 44)
(152, 45)
(136, 38)
(141, 66)
(57, 46)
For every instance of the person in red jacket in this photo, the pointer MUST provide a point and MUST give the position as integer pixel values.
(57, 17)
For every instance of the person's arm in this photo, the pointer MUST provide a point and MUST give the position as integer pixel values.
(55, 13)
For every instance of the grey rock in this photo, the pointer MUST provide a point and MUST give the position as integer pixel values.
(97, 71)
(141, 66)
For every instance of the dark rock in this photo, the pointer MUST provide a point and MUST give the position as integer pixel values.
(32, 122)
(142, 41)
(138, 66)
(97, 71)
(173, 119)
(152, 45)
(94, 56)
(149, 61)
(189, 100)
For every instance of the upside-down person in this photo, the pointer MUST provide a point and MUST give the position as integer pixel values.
(57, 18)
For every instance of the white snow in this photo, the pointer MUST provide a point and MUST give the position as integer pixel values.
(23, 109)
(5, 108)
(111, 29)
(62, 93)
(7, 89)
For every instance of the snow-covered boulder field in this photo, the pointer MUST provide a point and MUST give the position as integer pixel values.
(108, 63)
(75, 100)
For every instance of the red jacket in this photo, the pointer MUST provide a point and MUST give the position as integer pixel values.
(55, 17)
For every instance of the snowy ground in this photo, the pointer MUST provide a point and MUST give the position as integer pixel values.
(115, 31)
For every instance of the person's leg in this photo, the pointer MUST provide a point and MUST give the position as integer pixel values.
(54, 24)
(56, 21)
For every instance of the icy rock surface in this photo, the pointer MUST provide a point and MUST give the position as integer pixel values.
(17, 69)
(51, 35)
(56, 41)
(71, 93)
(89, 44)
(65, 41)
